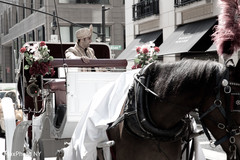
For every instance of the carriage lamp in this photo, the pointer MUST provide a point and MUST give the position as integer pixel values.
(33, 91)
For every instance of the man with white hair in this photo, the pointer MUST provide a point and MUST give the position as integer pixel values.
(81, 50)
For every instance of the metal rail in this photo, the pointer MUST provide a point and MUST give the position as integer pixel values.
(58, 62)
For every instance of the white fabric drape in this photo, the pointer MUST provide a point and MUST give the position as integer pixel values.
(104, 108)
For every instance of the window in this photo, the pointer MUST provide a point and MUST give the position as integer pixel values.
(31, 36)
(41, 33)
(145, 8)
(16, 51)
(85, 1)
(5, 23)
(9, 18)
(179, 3)
(14, 15)
(65, 34)
(32, 6)
(95, 36)
(1, 24)
(41, 3)
(22, 40)
(23, 11)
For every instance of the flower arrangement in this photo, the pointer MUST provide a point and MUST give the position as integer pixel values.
(38, 59)
(145, 55)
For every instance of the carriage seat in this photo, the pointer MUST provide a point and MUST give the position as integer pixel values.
(59, 88)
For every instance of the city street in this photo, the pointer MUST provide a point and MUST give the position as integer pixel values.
(210, 153)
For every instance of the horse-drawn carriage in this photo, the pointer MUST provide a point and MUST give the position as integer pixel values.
(53, 105)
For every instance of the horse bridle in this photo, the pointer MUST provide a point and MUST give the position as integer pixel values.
(231, 128)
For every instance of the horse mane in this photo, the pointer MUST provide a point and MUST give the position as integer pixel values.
(172, 79)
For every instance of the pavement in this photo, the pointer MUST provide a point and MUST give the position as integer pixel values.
(211, 153)
(25, 157)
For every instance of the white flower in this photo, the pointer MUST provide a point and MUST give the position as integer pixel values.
(26, 45)
(37, 55)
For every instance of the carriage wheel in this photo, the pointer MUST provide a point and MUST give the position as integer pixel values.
(38, 151)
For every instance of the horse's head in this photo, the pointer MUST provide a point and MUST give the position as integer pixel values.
(222, 117)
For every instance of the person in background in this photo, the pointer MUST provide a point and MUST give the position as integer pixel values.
(81, 50)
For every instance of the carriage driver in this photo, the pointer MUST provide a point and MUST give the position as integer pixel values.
(81, 50)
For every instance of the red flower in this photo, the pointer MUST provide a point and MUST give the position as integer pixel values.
(145, 50)
(134, 67)
(44, 68)
(42, 43)
(23, 49)
(34, 69)
(156, 49)
(138, 49)
(139, 66)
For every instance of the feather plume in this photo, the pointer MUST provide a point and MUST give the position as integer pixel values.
(227, 32)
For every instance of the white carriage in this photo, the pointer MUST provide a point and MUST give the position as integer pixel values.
(51, 115)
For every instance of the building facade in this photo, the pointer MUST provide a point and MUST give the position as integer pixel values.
(182, 28)
(32, 20)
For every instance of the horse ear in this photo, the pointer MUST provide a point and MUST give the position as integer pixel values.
(230, 63)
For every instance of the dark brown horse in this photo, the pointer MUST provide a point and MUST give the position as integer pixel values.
(155, 124)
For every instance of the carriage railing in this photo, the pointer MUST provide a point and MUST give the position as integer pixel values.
(108, 65)
(58, 62)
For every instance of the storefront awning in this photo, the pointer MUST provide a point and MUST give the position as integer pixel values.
(189, 38)
(212, 48)
(130, 52)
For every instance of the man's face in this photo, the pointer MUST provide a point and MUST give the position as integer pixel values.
(86, 42)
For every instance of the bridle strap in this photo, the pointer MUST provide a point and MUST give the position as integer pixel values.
(136, 78)
(217, 104)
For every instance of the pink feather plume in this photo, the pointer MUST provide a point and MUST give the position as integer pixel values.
(227, 32)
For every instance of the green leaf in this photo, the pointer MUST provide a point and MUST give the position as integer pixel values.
(137, 61)
(26, 67)
(154, 57)
(50, 58)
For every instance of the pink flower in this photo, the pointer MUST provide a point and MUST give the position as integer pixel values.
(145, 50)
(156, 49)
(138, 49)
(23, 49)
(42, 43)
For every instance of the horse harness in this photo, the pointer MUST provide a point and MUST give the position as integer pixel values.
(136, 113)
(233, 101)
